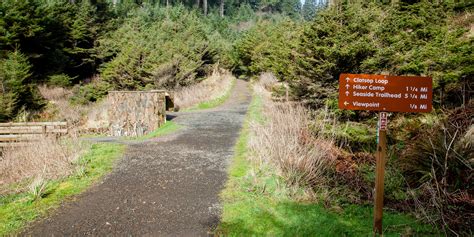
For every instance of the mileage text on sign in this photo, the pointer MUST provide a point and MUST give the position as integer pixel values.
(385, 93)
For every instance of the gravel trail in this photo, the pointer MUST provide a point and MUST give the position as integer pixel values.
(167, 186)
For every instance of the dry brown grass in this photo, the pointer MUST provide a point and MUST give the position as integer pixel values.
(216, 86)
(285, 141)
(54, 93)
(59, 107)
(266, 81)
(48, 158)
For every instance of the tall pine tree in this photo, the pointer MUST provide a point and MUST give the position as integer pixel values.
(15, 72)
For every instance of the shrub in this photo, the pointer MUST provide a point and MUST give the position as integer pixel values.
(159, 47)
(355, 136)
(267, 47)
(441, 150)
(438, 165)
(91, 92)
(354, 177)
(62, 80)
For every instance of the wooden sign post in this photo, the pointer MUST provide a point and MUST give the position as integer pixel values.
(381, 159)
(386, 94)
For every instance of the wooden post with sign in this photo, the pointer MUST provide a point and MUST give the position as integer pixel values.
(381, 159)
(384, 93)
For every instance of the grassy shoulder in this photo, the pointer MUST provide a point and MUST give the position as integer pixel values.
(17, 210)
(214, 102)
(266, 209)
(167, 128)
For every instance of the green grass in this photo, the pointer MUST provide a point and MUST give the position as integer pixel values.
(215, 102)
(16, 210)
(167, 128)
(248, 211)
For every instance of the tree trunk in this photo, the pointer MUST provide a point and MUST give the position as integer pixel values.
(221, 8)
(167, 3)
(204, 6)
(198, 3)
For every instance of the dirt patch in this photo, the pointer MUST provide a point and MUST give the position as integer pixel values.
(164, 186)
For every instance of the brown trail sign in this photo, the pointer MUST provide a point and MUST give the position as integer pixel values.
(386, 94)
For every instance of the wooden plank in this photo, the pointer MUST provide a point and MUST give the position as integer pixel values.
(24, 134)
(28, 131)
(20, 130)
(20, 136)
(11, 138)
(33, 131)
(33, 124)
(21, 127)
(31, 127)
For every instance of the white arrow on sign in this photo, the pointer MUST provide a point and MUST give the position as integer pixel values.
(347, 93)
(348, 79)
(347, 86)
(346, 103)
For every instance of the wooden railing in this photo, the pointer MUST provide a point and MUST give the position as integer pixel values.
(18, 134)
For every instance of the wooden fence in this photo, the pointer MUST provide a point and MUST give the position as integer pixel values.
(17, 134)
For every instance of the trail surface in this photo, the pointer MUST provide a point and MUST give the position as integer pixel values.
(167, 186)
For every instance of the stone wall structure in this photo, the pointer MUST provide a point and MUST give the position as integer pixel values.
(135, 113)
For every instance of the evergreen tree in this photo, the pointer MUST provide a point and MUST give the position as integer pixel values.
(15, 72)
(83, 31)
(20, 24)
